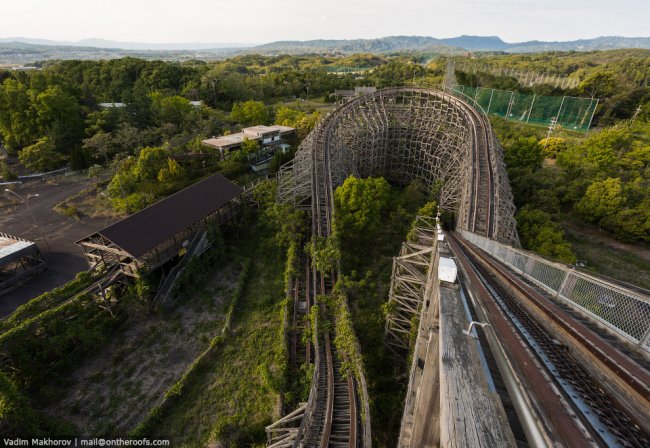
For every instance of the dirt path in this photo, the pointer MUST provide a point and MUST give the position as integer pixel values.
(597, 235)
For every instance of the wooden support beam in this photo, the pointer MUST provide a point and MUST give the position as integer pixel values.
(113, 250)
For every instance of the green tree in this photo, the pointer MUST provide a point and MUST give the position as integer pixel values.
(41, 156)
(249, 113)
(602, 199)
(539, 233)
(303, 122)
(171, 173)
(59, 116)
(286, 116)
(359, 204)
(604, 147)
(5, 171)
(552, 146)
(173, 109)
(523, 153)
(599, 84)
(100, 146)
(139, 105)
(631, 224)
(17, 116)
(150, 161)
(249, 146)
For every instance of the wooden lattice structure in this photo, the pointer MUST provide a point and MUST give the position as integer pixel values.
(155, 235)
(404, 134)
(407, 287)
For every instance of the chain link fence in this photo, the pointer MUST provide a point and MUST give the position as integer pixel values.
(568, 112)
(623, 311)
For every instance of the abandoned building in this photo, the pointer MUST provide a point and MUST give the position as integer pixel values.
(270, 139)
(19, 261)
(155, 235)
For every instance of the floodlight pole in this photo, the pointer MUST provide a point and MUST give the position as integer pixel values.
(26, 201)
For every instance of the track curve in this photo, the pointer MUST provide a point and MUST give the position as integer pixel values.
(401, 134)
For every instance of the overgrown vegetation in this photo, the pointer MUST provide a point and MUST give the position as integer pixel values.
(171, 397)
(40, 352)
(371, 220)
(619, 78)
(603, 178)
(242, 381)
(46, 301)
(236, 388)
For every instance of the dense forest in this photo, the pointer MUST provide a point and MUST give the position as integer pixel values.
(51, 117)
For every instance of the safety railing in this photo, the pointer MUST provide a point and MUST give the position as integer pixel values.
(623, 311)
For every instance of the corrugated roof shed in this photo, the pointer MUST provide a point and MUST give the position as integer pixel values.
(150, 227)
(12, 248)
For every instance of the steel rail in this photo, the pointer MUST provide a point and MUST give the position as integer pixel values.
(607, 420)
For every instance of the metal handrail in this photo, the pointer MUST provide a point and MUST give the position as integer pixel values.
(586, 293)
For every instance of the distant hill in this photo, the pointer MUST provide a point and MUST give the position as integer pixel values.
(598, 43)
(20, 53)
(112, 44)
(21, 50)
(472, 43)
(380, 45)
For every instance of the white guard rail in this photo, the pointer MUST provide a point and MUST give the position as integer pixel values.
(623, 311)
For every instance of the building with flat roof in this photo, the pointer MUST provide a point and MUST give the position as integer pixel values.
(19, 261)
(266, 136)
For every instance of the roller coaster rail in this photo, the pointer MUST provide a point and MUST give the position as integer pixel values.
(622, 311)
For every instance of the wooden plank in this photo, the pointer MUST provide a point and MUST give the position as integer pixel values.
(426, 425)
(112, 250)
(471, 415)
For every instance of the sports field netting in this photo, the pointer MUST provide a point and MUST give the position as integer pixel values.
(571, 112)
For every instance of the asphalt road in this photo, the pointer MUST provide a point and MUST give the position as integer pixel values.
(64, 258)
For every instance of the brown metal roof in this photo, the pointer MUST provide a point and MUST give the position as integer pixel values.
(141, 232)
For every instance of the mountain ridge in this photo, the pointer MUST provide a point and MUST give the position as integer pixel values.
(386, 43)
(95, 42)
(465, 42)
(13, 51)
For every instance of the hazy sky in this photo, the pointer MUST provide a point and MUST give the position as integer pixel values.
(259, 21)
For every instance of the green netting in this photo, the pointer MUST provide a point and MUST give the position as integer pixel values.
(570, 112)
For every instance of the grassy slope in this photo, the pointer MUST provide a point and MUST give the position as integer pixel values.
(109, 394)
(610, 261)
(235, 394)
(601, 258)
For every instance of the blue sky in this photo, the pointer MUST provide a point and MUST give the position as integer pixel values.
(258, 21)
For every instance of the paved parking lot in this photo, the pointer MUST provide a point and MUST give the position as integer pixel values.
(64, 259)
